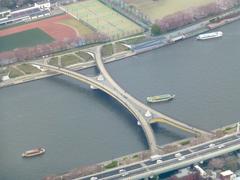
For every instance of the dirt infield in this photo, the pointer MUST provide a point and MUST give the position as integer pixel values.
(51, 26)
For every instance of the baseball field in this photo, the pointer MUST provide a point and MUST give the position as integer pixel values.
(160, 8)
(103, 19)
(59, 28)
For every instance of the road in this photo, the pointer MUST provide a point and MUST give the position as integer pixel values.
(171, 161)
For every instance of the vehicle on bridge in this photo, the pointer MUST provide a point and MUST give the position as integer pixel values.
(93, 178)
(155, 157)
(123, 172)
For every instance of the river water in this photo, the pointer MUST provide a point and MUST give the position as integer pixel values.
(79, 126)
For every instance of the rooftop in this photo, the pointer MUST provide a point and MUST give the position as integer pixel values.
(226, 173)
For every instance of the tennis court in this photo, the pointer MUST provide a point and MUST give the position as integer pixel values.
(103, 19)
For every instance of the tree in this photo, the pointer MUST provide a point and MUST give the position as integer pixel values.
(156, 30)
(8, 3)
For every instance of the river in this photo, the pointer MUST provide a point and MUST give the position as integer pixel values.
(79, 126)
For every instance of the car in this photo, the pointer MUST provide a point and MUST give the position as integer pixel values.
(159, 161)
(178, 155)
(221, 146)
(93, 178)
(211, 145)
(123, 172)
(181, 158)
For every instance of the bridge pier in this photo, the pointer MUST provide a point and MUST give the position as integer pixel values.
(93, 87)
(138, 123)
(100, 78)
(148, 114)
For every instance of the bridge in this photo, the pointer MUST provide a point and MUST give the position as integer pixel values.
(98, 82)
(151, 115)
(171, 161)
(144, 114)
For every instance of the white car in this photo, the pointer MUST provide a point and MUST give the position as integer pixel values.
(221, 146)
(181, 158)
(93, 178)
(159, 161)
(178, 155)
(211, 145)
(123, 172)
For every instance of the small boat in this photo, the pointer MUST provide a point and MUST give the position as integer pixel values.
(160, 98)
(210, 35)
(34, 152)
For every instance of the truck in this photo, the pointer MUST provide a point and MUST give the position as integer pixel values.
(155, 157)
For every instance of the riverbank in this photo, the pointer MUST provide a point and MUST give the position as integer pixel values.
(139, 60)
(58, 103)
(135, 158)
(146, 46)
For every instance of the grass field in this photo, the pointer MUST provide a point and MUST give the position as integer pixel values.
(80, 29)
(13, 72)
(28, 69)
(103, 19)
(85, 56)
(110, 49)
(53, 61)
(69, 59)
(161, 8)
(27, 38)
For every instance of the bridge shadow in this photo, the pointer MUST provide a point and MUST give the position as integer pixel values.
(91, 71)
(120, 111)
(170, 134)
(164, 134)
(105, 100)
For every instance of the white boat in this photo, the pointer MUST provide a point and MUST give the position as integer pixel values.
(160, 98)
(210, 35)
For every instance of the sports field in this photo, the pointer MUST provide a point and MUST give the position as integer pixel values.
(58, 28)
(27, 38)
(79, 28)
(160, 8)
(103, 19)
(51, 26)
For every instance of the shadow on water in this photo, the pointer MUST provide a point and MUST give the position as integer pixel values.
(165, 130)
(106, 100)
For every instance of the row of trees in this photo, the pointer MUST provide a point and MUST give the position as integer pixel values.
(23, 54)
(191, 15)
(129, 10)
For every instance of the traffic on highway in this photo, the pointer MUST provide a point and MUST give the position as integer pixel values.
(171, 161)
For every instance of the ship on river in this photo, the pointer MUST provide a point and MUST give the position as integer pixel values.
(160, 98)
(210, 35)
(33, 152)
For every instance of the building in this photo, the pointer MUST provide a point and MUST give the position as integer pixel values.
(185, 174)
(43, 5)
(38, 10)
(227, 175)
(4, 13)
